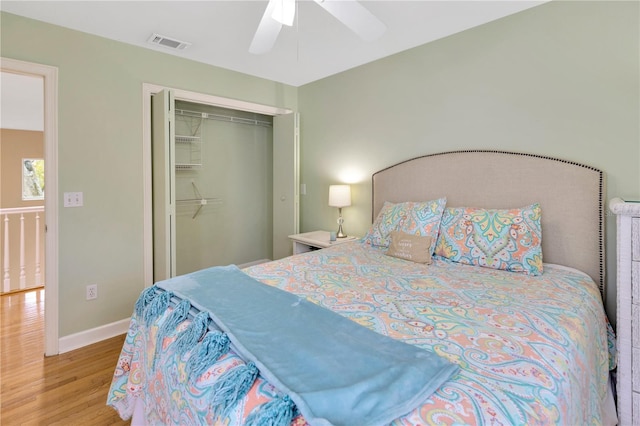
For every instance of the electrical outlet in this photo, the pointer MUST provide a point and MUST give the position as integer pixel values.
(92, 291)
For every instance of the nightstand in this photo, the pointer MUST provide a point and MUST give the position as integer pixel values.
(315, 240)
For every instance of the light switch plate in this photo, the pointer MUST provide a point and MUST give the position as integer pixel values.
(73, 199)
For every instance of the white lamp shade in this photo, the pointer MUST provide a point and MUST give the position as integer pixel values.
(339, 195)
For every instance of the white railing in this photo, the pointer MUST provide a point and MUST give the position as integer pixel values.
(6, 213)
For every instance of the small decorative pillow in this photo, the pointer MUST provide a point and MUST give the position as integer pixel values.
(501, 239)
(410, 247)
(420, 218)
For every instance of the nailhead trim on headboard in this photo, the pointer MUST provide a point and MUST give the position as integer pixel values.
(601, 195)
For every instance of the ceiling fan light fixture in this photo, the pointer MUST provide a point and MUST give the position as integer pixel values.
(284, 11)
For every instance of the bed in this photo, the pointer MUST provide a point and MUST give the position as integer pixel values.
(528, 340)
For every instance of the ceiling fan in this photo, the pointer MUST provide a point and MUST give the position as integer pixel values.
(282, 12)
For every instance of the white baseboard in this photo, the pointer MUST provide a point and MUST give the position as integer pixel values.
(94, 335)
(255, 262)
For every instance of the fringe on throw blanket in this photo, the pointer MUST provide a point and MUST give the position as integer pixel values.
(147, 295)
(213, 346)
(231, 387)
(156, 307)
(169, 326)
(277, 412)
(178, 315)
(190, 336)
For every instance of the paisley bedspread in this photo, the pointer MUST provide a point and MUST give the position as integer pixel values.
(531, 350)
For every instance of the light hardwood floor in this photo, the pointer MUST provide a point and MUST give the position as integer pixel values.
(67, 389)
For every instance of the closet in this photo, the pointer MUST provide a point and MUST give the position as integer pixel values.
(213, 186)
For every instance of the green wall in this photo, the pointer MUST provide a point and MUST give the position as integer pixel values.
(100, 153)
(560, 79)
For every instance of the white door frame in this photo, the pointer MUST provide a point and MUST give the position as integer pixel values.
(50, 76)
(148, 90)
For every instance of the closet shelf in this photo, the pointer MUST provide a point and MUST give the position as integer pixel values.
(222, 117)
(187, 139)
(188, 166)
(188, 142)
(199, 201)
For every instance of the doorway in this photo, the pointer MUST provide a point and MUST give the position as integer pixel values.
(49, 76)
(21, 182)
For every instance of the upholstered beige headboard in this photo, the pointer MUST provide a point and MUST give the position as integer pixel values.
(571, 196)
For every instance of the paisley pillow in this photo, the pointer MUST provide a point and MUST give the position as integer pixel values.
(388, 220)
(420, 218)
(510, 240)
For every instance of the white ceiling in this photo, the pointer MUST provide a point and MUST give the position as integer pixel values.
(221, 31)
(21, 102)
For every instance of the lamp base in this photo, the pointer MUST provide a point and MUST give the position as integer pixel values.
(340, 234)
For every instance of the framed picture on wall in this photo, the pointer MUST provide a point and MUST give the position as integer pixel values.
(32, 179)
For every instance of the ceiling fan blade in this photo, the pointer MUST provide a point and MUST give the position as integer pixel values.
(267, 32)
(356, 17)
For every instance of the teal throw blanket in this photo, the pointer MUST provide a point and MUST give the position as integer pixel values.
(336, 371)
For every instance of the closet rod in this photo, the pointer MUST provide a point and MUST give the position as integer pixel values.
(221, 117)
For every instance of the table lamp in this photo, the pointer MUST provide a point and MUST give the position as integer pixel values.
(340, 196)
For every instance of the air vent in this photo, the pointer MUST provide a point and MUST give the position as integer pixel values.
(168, 42)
